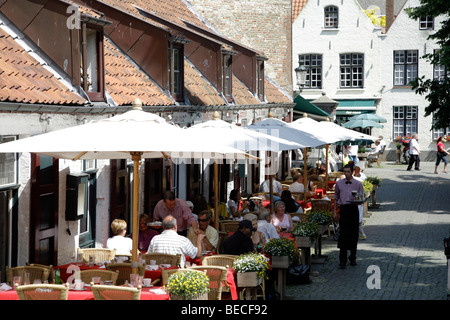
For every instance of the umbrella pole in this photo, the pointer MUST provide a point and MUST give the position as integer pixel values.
(327, 146)
(216, 195)
(305, 175)
(136, 157)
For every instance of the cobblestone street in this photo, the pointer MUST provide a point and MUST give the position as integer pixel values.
(404, 239)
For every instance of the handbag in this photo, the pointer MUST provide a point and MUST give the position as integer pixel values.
(298, 274)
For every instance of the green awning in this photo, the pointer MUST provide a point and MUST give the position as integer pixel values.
(303, 105)
(355, 107)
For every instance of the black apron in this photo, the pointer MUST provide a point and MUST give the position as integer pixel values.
(348, 227)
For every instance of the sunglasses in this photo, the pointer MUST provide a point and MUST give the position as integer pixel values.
(203, 220)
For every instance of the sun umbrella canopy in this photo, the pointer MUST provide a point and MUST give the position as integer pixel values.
(368, 116)
(362, 124)
(241, 138)
(331, 131)
(116, 137)
(279, 128)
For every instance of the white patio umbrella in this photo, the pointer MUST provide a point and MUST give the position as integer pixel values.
(279, 128)
(333, 132)
(133, 135)
(240, 138)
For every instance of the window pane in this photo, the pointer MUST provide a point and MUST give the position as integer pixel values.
(313, 64)
(7, 165)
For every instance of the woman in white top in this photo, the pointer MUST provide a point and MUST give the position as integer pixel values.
(233, 205)
(122, 244)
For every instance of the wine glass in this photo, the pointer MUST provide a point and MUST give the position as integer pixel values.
(354, 192)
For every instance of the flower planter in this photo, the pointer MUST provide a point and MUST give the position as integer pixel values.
(280, 262)
(248, 279)
(200, 297)
(303, 242)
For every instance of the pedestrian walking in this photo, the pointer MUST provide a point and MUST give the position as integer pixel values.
(441, 155)
(414, 152)
(345, 192)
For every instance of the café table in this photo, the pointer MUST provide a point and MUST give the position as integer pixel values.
(151, 293)
(66, 271)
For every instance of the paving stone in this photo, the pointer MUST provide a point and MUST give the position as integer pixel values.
(404, 239)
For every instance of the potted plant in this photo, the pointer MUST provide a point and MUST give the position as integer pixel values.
(251, 268)
(283, 252)
(375, 181)
(322, 217)
(368, 187)
(188, 285)
(305, 233)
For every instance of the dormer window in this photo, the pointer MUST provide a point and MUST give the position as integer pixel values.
(92, 70)
(176, 71)
(226, 77)
(331, 15)
(260, 79)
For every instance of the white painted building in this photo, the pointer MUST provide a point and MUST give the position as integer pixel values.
(351, 60)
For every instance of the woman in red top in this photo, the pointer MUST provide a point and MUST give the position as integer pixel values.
(441, 155)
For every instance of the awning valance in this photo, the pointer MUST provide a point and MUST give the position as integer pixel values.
(304, 106)
(354, 107)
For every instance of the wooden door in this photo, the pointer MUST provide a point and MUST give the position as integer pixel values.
(44, 210)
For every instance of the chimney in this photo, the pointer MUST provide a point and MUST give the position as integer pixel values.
(389, 13)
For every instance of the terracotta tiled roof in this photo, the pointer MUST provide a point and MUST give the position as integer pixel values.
(273, 93)
(297, 6)
(242, 95)
(24, 79)
(125, 82)
(199, 90)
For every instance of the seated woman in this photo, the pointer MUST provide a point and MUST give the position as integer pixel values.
(258, 238)
(290, 203)
(281, 220)
(145, 233)
(233, 205)
(122, 244)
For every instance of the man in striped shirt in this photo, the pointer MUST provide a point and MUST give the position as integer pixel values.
(170, 242)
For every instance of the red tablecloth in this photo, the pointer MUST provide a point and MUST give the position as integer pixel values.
(65, 274)
(146, 294)
(63, 269)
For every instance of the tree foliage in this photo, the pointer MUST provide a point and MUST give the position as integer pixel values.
(436, 91)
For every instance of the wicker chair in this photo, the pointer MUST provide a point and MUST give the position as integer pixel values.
(50, 268)
(320, 204)
(298, 195)
(99, 254)
(162, 258)
(124, 271)
(229, 226)
(105, 275)
(115, 292)
(43, 291)
(165, 274)
(219, 260)
(217, 279)
(36, 273)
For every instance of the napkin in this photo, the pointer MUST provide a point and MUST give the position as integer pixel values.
(151, 267)
(295, 218)
(158, 291)
(5, 287)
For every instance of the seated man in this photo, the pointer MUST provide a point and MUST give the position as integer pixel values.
(276, 186)
(265, 225)
(376, 150)
(170, 242)
(211, 238)
(298, 186)
(240, 242)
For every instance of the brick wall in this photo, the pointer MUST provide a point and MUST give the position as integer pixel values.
(262, 25)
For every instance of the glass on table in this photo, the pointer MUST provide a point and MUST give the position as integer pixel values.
(96, 280)
(17, 280)
(26, 278)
